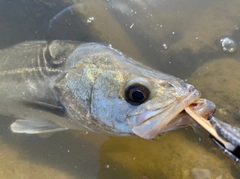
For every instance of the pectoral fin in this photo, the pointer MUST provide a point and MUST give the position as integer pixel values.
(35, 126)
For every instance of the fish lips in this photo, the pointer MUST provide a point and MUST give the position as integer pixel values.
(150, 123)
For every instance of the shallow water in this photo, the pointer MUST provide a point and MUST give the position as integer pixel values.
(180, 37)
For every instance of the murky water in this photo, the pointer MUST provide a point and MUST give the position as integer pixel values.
(180, 37)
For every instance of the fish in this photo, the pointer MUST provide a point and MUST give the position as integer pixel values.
(61, 85)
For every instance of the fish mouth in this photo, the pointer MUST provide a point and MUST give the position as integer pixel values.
(151, 123)
(202, 107)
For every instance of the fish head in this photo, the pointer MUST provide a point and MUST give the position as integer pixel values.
(119, 95)
(162, 109)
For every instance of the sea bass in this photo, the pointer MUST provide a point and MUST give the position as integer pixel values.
(63, 85)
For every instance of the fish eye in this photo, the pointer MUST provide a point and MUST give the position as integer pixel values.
(136, 94)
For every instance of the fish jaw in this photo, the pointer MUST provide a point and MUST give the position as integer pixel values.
(151, 123)
(202, 107)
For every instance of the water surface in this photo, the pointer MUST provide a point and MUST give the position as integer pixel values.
(179, 37)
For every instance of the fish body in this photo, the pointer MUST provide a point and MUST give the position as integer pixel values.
(26, 71)
(64, 85)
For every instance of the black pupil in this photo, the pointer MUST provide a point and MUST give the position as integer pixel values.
(137, 95)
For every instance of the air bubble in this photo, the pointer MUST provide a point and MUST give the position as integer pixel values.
(90, 19)
(228, 45)
(165, 46)
(107, 166)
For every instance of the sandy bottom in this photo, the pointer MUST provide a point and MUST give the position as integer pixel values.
(174, 155)
(179, 154)
(13, 166)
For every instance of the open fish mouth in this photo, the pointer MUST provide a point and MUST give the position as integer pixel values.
(151, 123)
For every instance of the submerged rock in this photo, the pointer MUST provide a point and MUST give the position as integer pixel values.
(200, 173)
(218, 80)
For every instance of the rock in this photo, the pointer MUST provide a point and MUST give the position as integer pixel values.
(199, 173)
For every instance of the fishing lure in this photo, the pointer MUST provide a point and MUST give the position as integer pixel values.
(223, 135)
